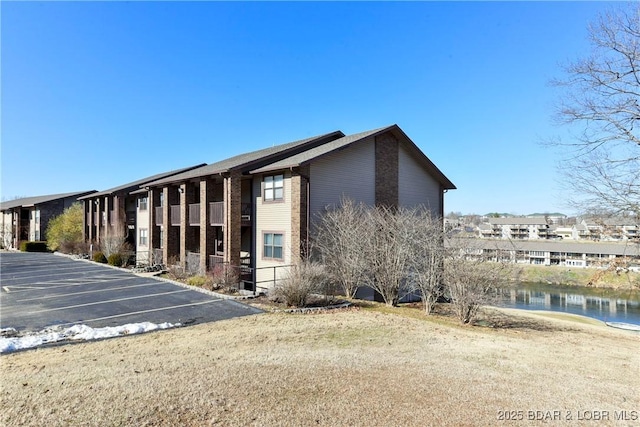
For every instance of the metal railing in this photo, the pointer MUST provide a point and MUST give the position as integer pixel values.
(175, 214)
(194, 214)
(274, 277)
(215, 260)
(216, 213)
(159, 216)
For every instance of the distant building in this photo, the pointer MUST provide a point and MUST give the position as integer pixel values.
(514, 228)
(560, 253)
(541, 228)
(27, 218)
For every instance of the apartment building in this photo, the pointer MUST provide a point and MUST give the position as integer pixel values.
(515, 228)
(120, 212)
(28, 218)
(257, 209)
(561, 253)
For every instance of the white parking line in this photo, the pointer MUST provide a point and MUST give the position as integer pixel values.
(108, 301)
(26, 288)
(142, 312)
(87, 292)
(72, 271)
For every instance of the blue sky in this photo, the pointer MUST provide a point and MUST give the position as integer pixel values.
(97, 94)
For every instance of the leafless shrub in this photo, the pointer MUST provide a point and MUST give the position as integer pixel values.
(175, 270)
(6, 238)
(471, 279)
(388, 253)
(113, 242)
(299, 283)
(426, 261)
(393, 251)
(341, 240)
(224, 276)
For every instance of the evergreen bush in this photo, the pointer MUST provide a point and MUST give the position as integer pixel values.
(99, 257)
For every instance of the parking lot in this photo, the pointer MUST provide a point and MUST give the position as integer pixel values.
(41, 290)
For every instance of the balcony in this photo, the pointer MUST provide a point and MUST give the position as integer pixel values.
(194, 214)
(215, 260)
(175, 214)
(246, 214)
(159, 216)
(216, 213)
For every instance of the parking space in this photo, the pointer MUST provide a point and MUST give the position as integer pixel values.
(40, 290)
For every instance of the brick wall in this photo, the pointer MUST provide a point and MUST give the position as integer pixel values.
(386, 170)
(299, 212)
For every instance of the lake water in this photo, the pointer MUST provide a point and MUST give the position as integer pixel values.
(602, 304)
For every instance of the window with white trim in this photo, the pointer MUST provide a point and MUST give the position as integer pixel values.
(273, 187)
(143, 203)
(144, 237)
(272, 246)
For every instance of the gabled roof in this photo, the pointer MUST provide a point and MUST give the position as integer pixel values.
(135, 185)
(317, 152)
(38, 200)
(244, 162)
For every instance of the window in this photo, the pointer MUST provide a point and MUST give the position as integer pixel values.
(142, 203)
(272, 246)
(161, 237)
(144, 237)
(273, 187)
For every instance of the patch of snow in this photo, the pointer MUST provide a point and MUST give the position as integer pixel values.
(77, 333)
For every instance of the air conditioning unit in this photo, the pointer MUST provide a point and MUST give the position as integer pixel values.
(246, 217)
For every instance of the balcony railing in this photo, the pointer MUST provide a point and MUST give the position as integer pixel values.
(194, 214)
(246, 213)
(159, 216)
(175, 214)
(216, 213)
(215, 260)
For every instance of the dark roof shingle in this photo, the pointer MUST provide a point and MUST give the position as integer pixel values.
(140, 182)
(252, 159)
(37, 200)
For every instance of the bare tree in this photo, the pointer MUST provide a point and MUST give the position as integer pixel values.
(390, 252)
(394, 252)
(426, 260)
(470, 278)
(115, 240)
(341, 239)
(601, 99)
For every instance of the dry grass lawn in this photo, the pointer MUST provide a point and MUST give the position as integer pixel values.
(369, 367)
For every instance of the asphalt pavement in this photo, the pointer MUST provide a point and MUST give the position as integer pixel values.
(39, 290)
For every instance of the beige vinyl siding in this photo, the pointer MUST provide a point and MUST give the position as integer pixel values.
(416, 186)
(142, 221)
(32, 224)
(272, 217)
(346, 173)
